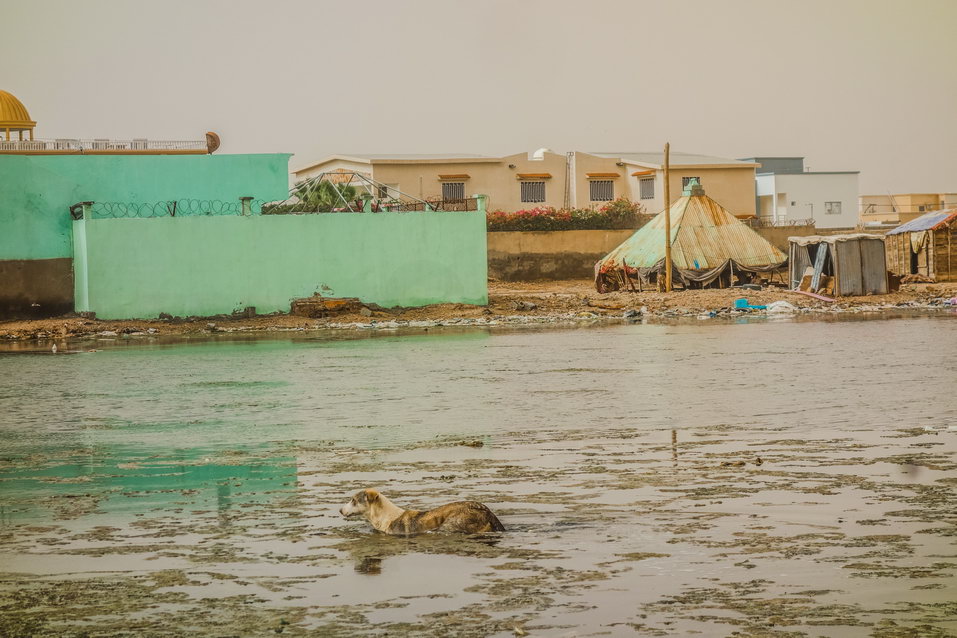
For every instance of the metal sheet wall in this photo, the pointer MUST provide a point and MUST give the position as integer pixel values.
(874, 268)
(847, 268)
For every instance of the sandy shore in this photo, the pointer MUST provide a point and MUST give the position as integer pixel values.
(509, 302)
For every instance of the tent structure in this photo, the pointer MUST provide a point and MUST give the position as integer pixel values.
(709, 247)
(925, 246)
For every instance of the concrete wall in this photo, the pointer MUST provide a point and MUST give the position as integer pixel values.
(214, 265)
(571, 254)
(566, 254)
(778, 235)
(36, 192)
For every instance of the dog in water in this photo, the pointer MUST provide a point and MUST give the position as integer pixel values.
(467, 517)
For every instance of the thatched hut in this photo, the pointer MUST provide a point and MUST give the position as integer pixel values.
(925, 246)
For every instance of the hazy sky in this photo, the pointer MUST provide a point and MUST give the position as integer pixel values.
(866, 85)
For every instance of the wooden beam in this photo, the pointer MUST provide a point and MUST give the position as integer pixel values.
(668, 217)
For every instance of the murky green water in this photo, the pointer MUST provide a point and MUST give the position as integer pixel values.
(772, 478)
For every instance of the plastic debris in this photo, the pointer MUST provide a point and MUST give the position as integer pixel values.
(742, 303)
(782, 307)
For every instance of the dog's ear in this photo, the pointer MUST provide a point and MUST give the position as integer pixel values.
(371, 496)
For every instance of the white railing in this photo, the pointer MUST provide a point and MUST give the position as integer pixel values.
(80, 146)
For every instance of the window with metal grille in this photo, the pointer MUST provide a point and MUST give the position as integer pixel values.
(382, 192)
(647, 187)
(686, 180)
(832, 208)
(601, 190)
(533, 191)
(453, 190)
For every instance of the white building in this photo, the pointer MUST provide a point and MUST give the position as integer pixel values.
(787, 193)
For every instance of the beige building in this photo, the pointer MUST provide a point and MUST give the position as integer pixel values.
(882, 210)
(545, 178)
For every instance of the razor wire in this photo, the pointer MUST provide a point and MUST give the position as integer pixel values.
(169, 208)
(335, 192)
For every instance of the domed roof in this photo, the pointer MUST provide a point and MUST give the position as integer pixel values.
(13, 115)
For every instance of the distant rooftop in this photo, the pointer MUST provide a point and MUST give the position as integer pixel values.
(138, 146)
(657, 158)
(14, 118)
(416, 156)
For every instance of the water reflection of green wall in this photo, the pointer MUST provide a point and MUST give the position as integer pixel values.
(154, 480)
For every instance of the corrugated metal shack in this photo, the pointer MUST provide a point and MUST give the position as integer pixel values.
(709, 247)
(840, 265)
(925, 246)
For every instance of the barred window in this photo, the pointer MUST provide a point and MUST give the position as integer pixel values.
(647, 188)
(685, 180)
(533, 191)
(832, 208)
(453, 190)
(601, 190)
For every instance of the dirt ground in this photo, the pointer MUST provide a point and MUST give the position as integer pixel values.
(529, 301)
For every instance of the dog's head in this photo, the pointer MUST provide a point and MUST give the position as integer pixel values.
(360, 503)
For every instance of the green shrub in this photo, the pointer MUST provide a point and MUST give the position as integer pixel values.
(619, 214)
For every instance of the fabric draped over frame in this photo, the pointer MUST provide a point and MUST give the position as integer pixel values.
(917, 240)
(681, 275)
(706, 242)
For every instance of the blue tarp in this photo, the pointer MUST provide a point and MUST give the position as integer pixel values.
(927, 221)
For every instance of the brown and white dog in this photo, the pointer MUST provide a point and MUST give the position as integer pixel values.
(467, 517)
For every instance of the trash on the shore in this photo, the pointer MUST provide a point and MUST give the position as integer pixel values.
(782, 307)
(741, 303)
(811, 294)
(319, 306)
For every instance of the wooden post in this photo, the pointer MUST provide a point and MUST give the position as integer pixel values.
(667, 217)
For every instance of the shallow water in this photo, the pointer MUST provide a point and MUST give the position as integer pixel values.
(770, 478)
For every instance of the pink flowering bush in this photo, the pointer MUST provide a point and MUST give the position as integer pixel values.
(619, 214)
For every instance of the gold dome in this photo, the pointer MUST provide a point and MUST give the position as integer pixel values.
(13, 115)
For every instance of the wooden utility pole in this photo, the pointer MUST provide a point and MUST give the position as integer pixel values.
(667, 218)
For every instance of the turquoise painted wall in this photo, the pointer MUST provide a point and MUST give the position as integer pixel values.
(139, 268)
(36, 191)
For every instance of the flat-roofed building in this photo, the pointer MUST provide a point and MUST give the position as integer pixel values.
(787, 193)
(546, 178)
(900, 208)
